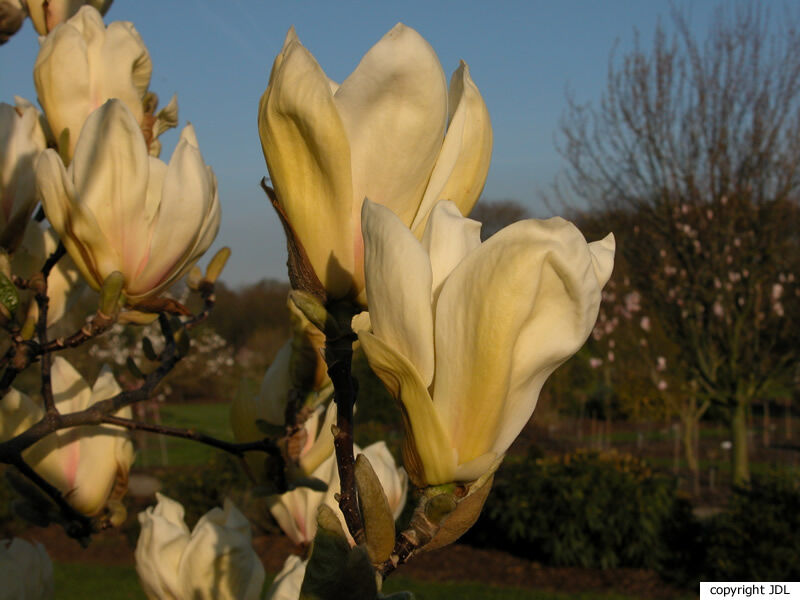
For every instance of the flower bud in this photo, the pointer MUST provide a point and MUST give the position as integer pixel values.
(46, 14)
(82, 64)
(288, 582)
(85, 463)
(296, 511)
(391, 132)
(215, 561)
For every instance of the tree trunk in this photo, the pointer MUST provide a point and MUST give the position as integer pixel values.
(740, 466)
(689, 435)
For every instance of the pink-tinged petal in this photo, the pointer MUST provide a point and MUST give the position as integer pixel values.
(110, 170)
(463, 163)
(394, 110)
(308, 158)
(398, 275)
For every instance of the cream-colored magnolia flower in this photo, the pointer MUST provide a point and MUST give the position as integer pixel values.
(81, 65)
(117, 209)
(215, 561)
(465, 334)
(85, 463)
(289, 581)
(390, 132)
(296, 511)
(21, 141)
(25, 570)
(46, 14)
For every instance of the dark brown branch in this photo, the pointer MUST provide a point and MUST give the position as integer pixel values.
(339, 356)
(238, 449)
(78, 525)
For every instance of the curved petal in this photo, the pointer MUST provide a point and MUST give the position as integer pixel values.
(110, 171)
(62, 76)
(448, 238)
(219, 562)
(564, 313)
(394, 110)
(308, 158)
(398, 276)
(187, 198)
(162, 541)
(517, 308)
(428, 453)
(57, 195)
(463, 163)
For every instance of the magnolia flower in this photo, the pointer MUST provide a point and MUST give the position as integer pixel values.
(465, 334)
(214, 561)
(82, 64)
(25, 570)
(381, 135)
(85, 463)
(117, 209)
(46, 14)
(296, 511)
(288, 582)
(21, 141)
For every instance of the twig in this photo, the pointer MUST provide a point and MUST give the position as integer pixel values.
(238, 449)
(339, 357)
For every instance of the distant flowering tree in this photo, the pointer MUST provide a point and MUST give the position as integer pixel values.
(693, 152)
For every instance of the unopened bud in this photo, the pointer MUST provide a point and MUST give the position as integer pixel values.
(194, 278)
(214, 269)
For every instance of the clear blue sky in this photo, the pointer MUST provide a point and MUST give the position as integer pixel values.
(216, 56)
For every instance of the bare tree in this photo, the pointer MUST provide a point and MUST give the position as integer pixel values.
(695, 151)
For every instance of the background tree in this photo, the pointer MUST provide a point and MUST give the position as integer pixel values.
(694, 155)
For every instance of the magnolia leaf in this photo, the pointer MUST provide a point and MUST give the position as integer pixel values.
(336, 571)
(378, 517)
(9, 297)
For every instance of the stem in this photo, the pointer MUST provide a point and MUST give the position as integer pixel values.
(339, 356)
(80, 526)
(264, 445)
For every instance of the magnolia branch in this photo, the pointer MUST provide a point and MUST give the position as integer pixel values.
(339, 357)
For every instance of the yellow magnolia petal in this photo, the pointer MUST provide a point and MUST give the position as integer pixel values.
(399, 289)
(463, 164)
(509, 314)
(394, 109)
(428, 452)
(564, 313)
(308, 158)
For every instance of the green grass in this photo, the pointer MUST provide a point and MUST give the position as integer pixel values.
(75, 581)
(212, 419)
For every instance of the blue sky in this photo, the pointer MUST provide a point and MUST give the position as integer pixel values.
(216, 56)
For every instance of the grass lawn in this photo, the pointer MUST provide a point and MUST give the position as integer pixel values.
(79, 581)
(212, 419)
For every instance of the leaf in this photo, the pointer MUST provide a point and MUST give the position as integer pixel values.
(378, 517)
(9, 297)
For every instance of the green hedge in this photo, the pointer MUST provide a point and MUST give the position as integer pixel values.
(758, 537)
(586, 509)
